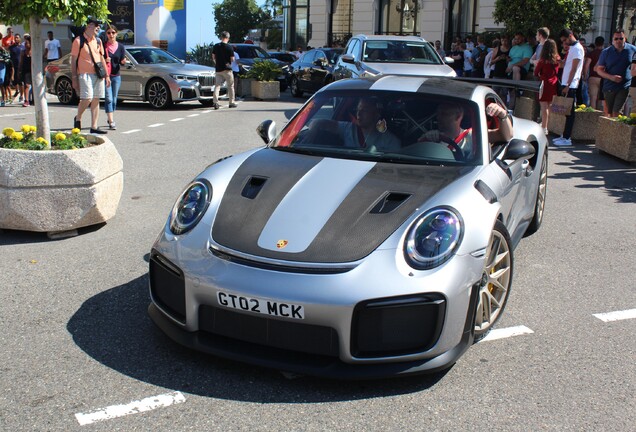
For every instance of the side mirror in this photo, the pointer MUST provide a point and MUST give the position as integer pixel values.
(267, 130)
(519, 149)
(347, 58)
(128, 64)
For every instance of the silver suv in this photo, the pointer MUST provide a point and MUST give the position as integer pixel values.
(370, 55)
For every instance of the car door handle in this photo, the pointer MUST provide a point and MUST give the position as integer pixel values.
(525, 167)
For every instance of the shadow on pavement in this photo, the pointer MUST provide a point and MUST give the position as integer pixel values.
(14, 237)
(617, 177)
(114, 328)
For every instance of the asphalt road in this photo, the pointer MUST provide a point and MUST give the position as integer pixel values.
(76, 339)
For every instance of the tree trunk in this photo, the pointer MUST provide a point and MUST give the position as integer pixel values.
(37, 76)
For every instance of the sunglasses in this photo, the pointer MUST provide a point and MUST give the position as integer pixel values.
(619, 38)
(111, 32)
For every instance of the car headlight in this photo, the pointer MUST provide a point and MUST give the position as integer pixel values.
(190, 207)
(433, 238)
(181, 77)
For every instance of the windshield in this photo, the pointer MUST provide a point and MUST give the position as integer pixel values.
(152, 56)
(250, 52)
(333, 55)
(386, 126)
(400, 52)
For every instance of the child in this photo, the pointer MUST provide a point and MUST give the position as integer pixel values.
(547, 70)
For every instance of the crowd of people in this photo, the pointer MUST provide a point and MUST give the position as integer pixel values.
(597, 75)
(15, 69)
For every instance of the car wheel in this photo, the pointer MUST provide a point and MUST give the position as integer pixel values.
(158, 94)
(539, 205)
(65, 92)
(295, 91)
(495, 282)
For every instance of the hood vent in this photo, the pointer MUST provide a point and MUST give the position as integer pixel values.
(389, 202)
(253, 187)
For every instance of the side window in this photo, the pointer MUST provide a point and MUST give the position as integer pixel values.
(309, 57)
(320, 56)
(354, 48)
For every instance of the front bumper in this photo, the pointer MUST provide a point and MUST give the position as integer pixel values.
(184, 90)
(328, 341)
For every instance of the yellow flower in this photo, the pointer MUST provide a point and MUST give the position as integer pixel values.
(33, 129)
(73, 148)
(41, 140)
(582, 106)
(17, 136)
(633, 115)
(75, 131)
(60, 136)
(8, 131)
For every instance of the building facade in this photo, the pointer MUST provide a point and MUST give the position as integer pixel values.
(331, 22)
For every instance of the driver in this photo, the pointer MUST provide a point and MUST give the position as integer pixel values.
(368, 131)
(449, 119)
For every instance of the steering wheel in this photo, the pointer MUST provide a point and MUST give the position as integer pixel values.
(458, 153)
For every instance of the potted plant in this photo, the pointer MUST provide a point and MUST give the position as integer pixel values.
(617, 136)
(264, 74)
(585, 124)
(57, 185)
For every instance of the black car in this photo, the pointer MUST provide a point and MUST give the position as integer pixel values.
(313, 70)
(283, 56)
(248, 54)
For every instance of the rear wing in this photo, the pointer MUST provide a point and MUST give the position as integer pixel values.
(532, 86)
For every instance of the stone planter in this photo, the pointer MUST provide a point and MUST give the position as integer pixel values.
(266, 90)
(585, 125)
(617, 139)
(60, 190)
(244, 87)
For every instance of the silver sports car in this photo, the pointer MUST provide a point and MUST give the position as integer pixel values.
(150, 74)
(373, 236)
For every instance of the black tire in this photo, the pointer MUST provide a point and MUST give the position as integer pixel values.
(539, 206)
(158, 94)
(295, 90)
(65, 92)
(496, 281)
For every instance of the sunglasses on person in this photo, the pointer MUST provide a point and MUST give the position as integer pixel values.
(619, 38)
(111, 32)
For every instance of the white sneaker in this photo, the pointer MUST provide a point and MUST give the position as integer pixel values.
(561, 142)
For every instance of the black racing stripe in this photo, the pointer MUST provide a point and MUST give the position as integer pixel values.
(351, 233)
(240, 220)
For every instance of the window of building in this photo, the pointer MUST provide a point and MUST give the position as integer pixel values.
(399, 17)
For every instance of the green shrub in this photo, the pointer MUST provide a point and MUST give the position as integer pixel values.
(25, 139)
(265, 70)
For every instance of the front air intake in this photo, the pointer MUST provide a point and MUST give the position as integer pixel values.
(389, 202)
(253, 187)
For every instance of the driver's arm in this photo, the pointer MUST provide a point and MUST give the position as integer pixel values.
(504, 132)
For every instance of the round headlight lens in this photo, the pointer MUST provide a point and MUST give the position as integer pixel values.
(433, 238)
(190, 207)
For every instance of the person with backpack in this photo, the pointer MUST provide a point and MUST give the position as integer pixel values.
(86, 52)
(478, 58)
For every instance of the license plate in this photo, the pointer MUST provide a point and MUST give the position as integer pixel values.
(261, 306)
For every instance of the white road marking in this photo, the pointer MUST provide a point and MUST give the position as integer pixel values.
(506, 333)
(193, 115)
(134, 407)
(132, 131)
(616, 316)
(206, 111)
(177, 119)
(156, 125)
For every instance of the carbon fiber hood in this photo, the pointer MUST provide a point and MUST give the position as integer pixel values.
(302, 208)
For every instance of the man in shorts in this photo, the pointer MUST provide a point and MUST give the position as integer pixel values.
(85, 82)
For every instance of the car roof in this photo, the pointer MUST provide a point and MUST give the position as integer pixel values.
(436, 86)
(390, 38)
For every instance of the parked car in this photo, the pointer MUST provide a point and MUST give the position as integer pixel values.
(150, 74)
(126, 36)
(283, 56)
(353, 245)
(313, 70)
(249, 54)
(371, 55)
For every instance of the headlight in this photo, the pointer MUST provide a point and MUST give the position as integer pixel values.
(180, 77)
(433, 238)
(190, 207)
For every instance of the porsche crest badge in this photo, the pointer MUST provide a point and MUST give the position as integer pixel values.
(281, 244)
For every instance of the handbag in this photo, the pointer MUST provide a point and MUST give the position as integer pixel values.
(562, 105)
(100, 70)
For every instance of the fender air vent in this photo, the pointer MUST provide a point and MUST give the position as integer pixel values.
(253, 187)
(389, 202)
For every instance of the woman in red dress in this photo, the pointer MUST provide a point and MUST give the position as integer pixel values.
(547, 69)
